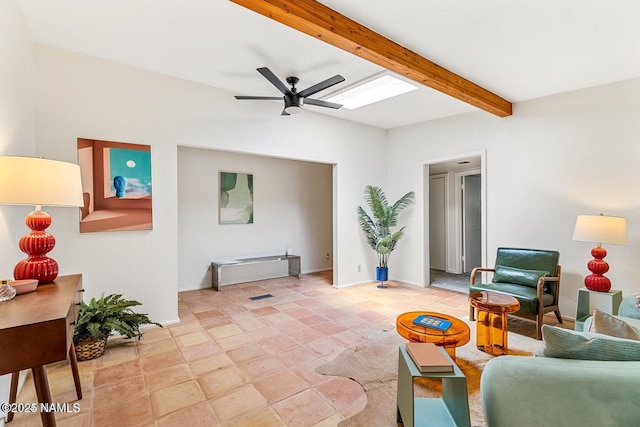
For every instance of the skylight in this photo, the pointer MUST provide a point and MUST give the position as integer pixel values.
(382, 87)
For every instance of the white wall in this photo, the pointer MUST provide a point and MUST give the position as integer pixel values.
(17, 132)
(292, 210)
(17, 120)
(81, 96)
(555, 158)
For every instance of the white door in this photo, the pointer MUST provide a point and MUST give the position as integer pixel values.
(471, 223)
(437, 222)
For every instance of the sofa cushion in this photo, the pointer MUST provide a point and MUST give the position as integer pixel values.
(604, 323)
(504, 274)
(568, 344)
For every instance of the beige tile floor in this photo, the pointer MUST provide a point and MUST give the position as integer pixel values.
(236, 362)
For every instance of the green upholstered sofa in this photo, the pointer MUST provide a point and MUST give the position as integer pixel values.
(629, 307)
(532, 276)
(528, 391)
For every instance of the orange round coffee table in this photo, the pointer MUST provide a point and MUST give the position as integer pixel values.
(457, 335)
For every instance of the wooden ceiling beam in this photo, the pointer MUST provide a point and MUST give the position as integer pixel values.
(323, 23)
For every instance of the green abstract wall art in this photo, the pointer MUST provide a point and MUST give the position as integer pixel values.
(236, 198)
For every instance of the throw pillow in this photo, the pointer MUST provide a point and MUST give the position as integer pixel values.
(604, 323)
(568, 344)
(504, 274)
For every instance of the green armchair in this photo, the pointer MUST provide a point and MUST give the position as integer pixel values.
(532, 276)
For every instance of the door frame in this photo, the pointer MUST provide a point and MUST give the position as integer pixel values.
(425, 211)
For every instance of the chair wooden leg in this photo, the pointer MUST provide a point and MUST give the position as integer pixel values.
(539, 327)
(13, 393)
(73, 361)
(558, 316)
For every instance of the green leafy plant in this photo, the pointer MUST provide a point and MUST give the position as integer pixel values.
(108, 314)
(378, 229)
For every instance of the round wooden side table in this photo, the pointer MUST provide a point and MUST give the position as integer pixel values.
(458, 334)
(491, 320)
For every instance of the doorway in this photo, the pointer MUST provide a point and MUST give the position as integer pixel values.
(455, 219)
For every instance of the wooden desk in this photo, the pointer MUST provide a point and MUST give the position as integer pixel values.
(37, 329)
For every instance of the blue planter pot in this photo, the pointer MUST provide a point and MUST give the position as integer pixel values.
(382, 274)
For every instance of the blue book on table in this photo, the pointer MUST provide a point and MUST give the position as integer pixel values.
(432, 322)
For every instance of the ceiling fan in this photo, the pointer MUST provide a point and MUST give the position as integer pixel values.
(294, 100)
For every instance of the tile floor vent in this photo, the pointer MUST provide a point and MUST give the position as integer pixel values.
(259, 297)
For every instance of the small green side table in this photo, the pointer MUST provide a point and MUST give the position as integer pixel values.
(605, 301)
(452, 409)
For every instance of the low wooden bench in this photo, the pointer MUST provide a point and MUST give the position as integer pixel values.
(217, 265)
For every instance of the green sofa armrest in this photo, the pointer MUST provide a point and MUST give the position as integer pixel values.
(628, 307)
(540, 391)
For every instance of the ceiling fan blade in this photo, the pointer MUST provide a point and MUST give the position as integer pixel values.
(274, 98)
(319, 103)
(321, 86)
(274, 80)
(284, 113)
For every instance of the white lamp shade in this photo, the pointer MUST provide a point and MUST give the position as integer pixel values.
(601, 229)
(35, 181)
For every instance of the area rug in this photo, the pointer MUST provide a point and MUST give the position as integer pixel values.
(374, 366)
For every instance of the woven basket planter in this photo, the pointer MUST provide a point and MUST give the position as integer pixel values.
(88, 348)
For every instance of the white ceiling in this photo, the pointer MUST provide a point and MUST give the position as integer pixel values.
(518, 49)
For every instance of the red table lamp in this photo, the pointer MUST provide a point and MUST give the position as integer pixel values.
(36, 181)
(600, 229)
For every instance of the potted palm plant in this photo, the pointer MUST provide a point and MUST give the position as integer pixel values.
(378, 229)
(100, 318)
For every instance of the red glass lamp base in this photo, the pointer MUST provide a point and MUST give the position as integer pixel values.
(44, 269)
(599, 283)
(36, 245)
(597, 266)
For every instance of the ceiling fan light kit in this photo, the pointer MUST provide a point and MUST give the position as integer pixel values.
(294, 100)
(293, 109)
